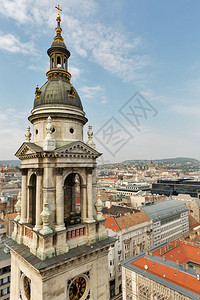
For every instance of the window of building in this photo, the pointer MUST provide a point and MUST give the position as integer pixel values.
(4, 292)
(5, 280)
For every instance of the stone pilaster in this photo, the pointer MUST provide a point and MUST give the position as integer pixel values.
(39, 173)
(59, 200)
(24, 172)
(83, 202)
(89, 196)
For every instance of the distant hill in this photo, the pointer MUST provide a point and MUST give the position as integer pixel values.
(176, 160)
(179, 160)
(13, 163)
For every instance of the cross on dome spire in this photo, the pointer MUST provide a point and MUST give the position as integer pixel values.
(58, 19)
(58, 8)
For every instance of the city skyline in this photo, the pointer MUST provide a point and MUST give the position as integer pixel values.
(117, 50)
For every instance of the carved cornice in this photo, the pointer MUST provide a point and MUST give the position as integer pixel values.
(24, 171)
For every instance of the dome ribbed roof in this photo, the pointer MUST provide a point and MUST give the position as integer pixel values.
(56, 92)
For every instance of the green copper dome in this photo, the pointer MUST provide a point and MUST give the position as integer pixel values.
(57, 92)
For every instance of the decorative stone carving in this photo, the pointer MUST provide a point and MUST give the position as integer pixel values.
(59, 171)
(39, 171)
(45, 214)
(98, 206)
(18, 207)
(37, 92)
(28, 134)
(49, 143)
(24, 171)
(90, 141)
(89, 170)
(71, 91)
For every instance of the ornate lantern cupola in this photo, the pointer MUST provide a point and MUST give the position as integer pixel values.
(58, 54)
(58, 98)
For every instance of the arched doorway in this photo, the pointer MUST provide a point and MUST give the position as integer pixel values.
(32, 199)
(72, 199)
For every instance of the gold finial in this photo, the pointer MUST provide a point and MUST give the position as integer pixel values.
(58, 8)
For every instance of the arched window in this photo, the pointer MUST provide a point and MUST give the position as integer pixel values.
(72, 199)
(65, 64)
(32, 199)
(58, 62)
(52, 63)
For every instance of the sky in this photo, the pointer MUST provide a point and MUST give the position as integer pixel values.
(134, 63)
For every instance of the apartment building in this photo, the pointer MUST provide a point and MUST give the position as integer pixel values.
(5, 272)
(170, 219)
(133, 235)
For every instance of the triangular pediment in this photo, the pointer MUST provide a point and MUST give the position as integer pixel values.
(78, 148)
(28, 149)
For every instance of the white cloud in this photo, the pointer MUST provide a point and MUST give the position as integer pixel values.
(13, 129)
(94, 93)
(75, 72)
(90, 91)
(11, 43)
(187, 110)
(112, 49)
(104, 100)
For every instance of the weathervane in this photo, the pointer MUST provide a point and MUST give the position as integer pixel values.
(58, 8)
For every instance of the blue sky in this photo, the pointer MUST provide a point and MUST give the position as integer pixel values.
(118, 48)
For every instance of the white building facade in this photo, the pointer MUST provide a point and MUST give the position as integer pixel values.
(170, 220)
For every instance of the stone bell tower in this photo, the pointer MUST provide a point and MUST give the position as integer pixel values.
(59, 246)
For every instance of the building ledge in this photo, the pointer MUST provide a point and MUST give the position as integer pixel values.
(44, 265)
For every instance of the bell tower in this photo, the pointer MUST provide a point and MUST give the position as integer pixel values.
(59, 246)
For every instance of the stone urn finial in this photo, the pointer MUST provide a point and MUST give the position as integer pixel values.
(45, 214)
(49, 143)
(90, 141)
(99, 206)
(28, 134)
(18, 207)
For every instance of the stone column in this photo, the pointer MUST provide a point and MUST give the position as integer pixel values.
(83, 199)
(49, 189)
(89, 195)
(59, 200)
(38, 223)
(24, 196)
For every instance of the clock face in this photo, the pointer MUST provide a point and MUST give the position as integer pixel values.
(27, 288)
(77, 288)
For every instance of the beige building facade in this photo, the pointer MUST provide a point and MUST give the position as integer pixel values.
(138, 287)
(133, 235)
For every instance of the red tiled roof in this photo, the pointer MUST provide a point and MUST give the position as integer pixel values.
(176, 253)
(132, 219)
(173, 275)
(12, 216)
(111, 224)
(193, 252)
(179, 251)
